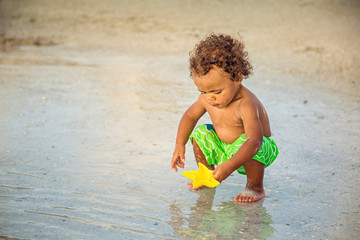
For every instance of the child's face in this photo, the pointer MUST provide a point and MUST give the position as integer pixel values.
(217, 88)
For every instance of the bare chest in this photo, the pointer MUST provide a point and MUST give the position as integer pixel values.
(227, 123)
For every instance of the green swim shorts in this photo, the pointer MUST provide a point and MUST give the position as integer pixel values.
(217, 152)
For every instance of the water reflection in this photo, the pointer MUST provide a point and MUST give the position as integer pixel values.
(228, 220)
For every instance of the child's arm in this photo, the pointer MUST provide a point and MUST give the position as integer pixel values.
(186, 126)
(254, 135)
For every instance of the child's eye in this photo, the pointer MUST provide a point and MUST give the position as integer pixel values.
(218, 92)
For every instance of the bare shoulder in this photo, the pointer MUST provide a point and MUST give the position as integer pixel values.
(197, 109)
(249, 103)
(252, 109)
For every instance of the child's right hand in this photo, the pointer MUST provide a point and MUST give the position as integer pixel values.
(178, 159)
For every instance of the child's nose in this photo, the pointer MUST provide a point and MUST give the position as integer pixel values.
(211, 98)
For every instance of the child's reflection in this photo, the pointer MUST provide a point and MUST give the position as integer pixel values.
(229, 220)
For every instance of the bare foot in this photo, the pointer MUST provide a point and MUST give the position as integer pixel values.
(249, 195)
(191, 187)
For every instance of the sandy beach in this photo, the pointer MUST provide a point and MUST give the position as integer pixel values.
(91, 94)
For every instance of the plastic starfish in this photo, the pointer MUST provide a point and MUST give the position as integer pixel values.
(202, 177)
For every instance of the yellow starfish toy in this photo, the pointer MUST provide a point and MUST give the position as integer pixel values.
(201, 177)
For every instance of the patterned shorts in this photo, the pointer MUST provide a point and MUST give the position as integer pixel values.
(217, 152)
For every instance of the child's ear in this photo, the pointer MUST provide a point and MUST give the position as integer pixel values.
(240, 78)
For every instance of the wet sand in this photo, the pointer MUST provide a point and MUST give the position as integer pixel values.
(91, 94)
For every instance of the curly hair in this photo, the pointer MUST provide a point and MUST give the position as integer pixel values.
(222, 51)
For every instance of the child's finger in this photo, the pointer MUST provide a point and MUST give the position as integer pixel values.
(174, 163)
(182, 157)
(180, 163)
(182, 160)
(214, 174)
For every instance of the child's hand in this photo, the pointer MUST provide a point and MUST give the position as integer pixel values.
(221, 172)
(178, 158)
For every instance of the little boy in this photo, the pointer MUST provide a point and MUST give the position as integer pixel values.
(239, 136)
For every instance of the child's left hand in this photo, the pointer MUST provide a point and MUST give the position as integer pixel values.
(221, 172)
